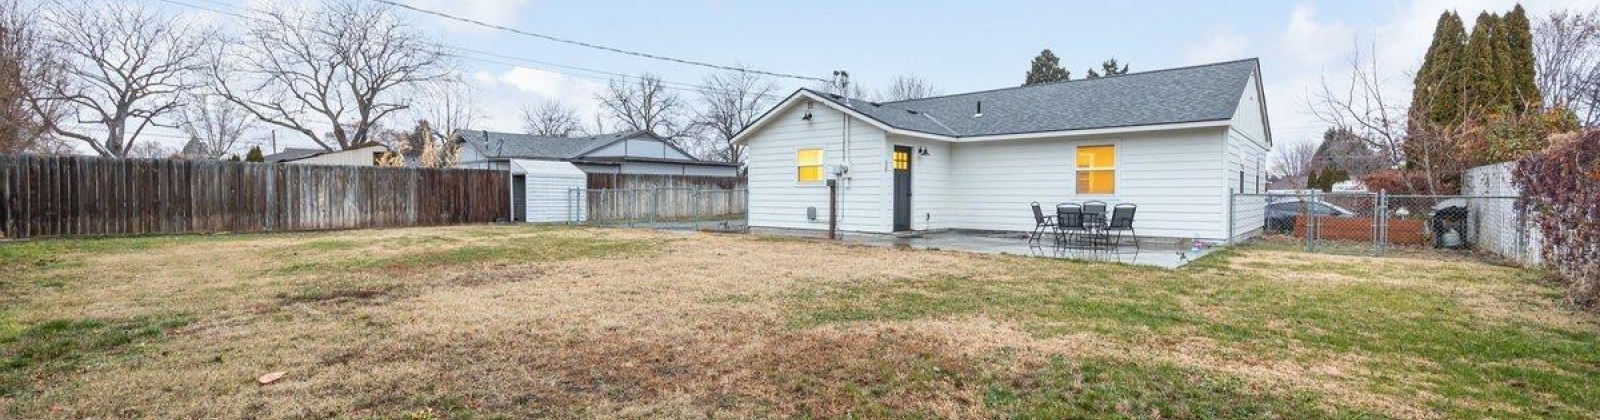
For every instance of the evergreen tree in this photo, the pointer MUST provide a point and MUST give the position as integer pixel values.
(233, 157)
(1484, 71)
(1520, 87)
(1109, 68)
(1046, 68)
(1437, 91)
(255, 155)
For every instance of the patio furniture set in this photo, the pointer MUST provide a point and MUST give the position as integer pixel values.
(1085, 224)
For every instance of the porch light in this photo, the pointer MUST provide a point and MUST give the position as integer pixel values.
(922, 150)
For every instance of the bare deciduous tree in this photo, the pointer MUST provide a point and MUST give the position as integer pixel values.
(906, 87)
(1362, 107)
(1566, 47)
(1293, 161)
(125, 70)
(449, 104)
(552, 118)
(343, 67)
(150, 150)
(644, 104)
(729, 102)
(26, 64)
(216, 122)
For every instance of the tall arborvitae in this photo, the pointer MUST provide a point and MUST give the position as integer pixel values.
(1436, 96)
(1046, 68)
(1521, 87)
(1484, 69)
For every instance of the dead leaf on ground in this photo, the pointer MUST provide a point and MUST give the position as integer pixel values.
(270, 377)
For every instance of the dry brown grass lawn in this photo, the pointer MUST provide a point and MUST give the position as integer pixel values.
(514, 322)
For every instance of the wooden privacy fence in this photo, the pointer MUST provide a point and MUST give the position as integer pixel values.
(79, 196)
(654, 204)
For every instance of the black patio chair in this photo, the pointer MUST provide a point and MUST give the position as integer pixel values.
(1094, 213)
(1069, 222)
(1122, 221)
(1040, 223)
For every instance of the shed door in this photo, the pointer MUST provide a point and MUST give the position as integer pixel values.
(519, 198)
(902, 188)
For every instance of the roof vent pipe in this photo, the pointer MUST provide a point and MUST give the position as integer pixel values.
(980, 110)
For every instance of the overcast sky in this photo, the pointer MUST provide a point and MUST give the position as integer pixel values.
(957, 46)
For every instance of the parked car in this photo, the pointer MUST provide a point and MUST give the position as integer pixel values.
(1281, 214)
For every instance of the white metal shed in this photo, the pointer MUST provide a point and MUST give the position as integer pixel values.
(543, 191)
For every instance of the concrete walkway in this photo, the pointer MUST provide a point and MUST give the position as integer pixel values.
(1155, 252)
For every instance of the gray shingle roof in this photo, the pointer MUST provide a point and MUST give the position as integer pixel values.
(1207, 92)
(496, 144)
(291, 153)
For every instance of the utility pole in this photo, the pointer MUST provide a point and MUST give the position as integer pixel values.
(274, 141)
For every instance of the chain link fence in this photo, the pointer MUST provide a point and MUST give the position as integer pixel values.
(1365, 223)
(720, 210)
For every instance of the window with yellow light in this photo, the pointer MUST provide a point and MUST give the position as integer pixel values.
(1097, 170)
(809, 165)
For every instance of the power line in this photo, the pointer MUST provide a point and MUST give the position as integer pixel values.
(680, 86)
(595, 46)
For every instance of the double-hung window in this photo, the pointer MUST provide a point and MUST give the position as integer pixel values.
(808, 166)
(1097, 170)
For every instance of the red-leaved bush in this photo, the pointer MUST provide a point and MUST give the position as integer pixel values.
(1561, 184)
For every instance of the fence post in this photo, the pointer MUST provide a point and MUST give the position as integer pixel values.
(1311, 223)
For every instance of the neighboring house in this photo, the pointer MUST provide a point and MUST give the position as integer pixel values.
(1175, 142)
(549, 174)
(368, 155)
(634, 152)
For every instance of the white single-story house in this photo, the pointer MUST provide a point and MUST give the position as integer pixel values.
(361, 156)
(545, 171)
(1175, 142)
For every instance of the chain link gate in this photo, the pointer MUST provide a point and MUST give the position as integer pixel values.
(706, 209)
(1367, 223)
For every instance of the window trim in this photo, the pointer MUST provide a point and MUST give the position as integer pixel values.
(1115, 174)
(822, 165)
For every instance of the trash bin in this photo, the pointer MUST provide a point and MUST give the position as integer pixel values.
(1449, 222)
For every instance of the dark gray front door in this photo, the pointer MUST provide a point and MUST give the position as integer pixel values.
(902, 188)
(519, 198)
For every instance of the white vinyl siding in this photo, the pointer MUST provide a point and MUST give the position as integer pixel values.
(1245, 165)
(643, 148)
(777, 201)
(1173, 176)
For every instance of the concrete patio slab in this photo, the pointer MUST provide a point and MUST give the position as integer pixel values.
(1157, 252)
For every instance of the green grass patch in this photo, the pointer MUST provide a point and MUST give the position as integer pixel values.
(1106, 388)
(58, 253)
(524, 248)
(48, 350)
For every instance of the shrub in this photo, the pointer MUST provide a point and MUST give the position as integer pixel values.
(1396, 181)
(1561, 184)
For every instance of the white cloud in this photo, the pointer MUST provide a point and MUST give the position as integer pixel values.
(502, 96)
(1223, 44)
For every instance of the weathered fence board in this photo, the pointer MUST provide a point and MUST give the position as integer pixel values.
(80, 196)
